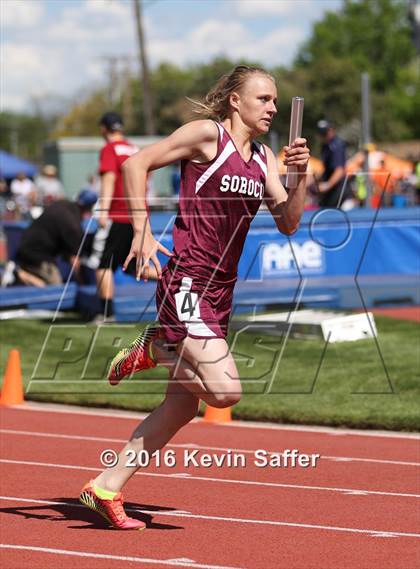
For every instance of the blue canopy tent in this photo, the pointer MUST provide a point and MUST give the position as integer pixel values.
(11, 165)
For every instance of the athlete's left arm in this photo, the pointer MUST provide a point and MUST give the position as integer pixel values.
(287, 208)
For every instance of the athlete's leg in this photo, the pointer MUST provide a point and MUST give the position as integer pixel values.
(216, 380)
(105, 284)
(205, 367)
(177, 409)
(102, 260)
(209, 373)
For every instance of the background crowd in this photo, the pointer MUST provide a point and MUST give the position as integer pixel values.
(23, 198)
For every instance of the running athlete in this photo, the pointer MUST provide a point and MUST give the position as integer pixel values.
(225, 176)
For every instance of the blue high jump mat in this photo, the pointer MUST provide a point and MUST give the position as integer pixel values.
(132, 303)
(136, 302)
(61, 297)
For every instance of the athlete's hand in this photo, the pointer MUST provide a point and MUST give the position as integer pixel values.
(144, 248)
(297, 154)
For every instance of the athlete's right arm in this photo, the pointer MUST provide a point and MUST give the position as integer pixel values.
(193, 140)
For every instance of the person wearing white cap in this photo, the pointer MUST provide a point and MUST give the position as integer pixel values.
(49, 186)
(24, 194)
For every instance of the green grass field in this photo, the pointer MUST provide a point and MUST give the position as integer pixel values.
(358, 384)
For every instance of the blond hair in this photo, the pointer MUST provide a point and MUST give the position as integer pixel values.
(216, 103)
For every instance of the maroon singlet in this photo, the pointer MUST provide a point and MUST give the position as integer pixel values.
(218, 200)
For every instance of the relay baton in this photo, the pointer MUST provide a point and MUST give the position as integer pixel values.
(296, 118)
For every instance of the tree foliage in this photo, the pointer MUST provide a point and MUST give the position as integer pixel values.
(371, 36)
(374, 34)
(23, 134)
(83, 117)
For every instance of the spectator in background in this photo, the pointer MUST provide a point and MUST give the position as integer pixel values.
(49, 186)
(176, 178)
(4, 197)
(4, 190)
(24, 193)
(384, 184)
(358, 179)
(57, 232)
(333, 190)
(112, 241)
(93, 184)
(414, 179)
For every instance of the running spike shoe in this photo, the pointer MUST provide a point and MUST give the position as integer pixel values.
(112, 510)
(136, 357)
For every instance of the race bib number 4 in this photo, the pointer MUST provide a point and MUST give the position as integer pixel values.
(187, 303)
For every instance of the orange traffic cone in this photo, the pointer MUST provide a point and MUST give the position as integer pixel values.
(216, 415)
(12, 388)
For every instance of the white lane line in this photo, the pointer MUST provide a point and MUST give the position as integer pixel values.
(201, 447)
(120, 414)
(77, 505)
(181, 514)
(146, 560)
(181, 476)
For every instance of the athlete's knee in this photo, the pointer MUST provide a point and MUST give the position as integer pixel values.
(227, 399)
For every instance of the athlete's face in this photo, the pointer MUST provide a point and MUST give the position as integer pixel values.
(256, 103)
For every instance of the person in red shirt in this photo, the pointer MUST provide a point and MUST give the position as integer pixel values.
(113, 239)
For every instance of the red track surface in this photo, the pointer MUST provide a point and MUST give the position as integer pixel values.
(400, 313)
(361, 512)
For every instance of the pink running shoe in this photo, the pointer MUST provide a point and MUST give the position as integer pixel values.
(136, 357)
(111, 510)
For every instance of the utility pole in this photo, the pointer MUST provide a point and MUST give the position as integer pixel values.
(365, 109)
(127, 96)
(147, 96)
(113, 78)
(119, 85)
(366, 136)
